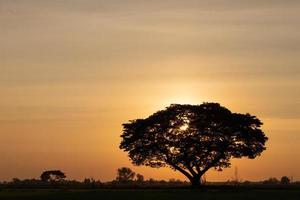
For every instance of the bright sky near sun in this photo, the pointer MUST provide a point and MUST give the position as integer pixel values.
(72, 71)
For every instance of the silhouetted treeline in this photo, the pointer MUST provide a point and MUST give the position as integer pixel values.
(126, 178)
(37, 183)
(89, 183)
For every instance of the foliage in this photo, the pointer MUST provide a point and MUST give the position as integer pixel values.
(139, 178)
(125, 174)
(271, 180)
(53, 175)
(285, 180)
(90, 183)
(193, 138)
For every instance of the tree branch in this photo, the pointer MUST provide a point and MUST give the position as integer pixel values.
(211, 165)
(189, 176)
(191, 170)
(198, 169)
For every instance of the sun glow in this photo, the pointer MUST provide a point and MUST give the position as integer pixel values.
(180, 94)
(180, 100)
(184, 127)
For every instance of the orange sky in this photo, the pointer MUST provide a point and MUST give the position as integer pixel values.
(71, 72)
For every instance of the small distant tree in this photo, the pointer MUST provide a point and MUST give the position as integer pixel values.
(53, 175)
(88, 181)
(16, 180)
(285, 180)
(192, 139)
(175, 181)
(271, 181)
(125, 174)
(151, 180)
(139, 178)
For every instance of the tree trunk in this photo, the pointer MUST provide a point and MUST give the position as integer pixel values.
(196, 181)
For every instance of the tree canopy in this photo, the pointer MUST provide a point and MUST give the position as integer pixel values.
(53, 175)
(125, 174)
(193, 138)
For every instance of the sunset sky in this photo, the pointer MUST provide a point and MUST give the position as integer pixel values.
(72, 71)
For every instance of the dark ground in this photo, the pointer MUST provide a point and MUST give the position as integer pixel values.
(149, 194)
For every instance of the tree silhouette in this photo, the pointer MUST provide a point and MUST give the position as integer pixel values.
(285, 180)
(193, 138)
(125, 174)
(271, 181)
(139, 178)
(54, 175)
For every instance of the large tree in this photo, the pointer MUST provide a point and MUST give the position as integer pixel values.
(193, 138)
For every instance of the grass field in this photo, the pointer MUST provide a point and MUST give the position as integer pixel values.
(46, 194)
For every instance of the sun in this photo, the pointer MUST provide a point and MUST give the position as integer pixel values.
(184, 127)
